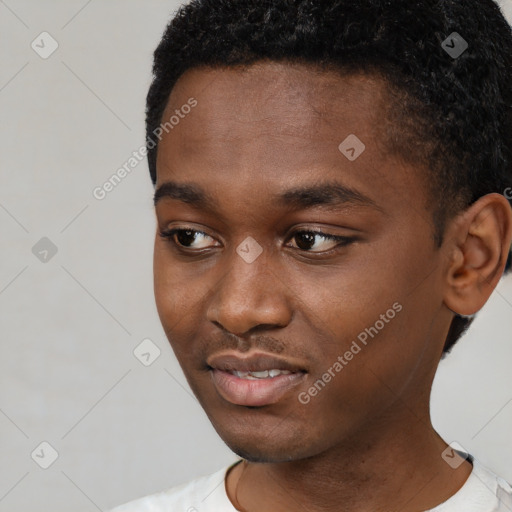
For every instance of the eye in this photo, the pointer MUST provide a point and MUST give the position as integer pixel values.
(318, 241)
(311, 241)
(185, 238)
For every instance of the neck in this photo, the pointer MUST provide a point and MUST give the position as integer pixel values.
(399, 468)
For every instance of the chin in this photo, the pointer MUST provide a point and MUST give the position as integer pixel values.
(261, 455)
(266, 446)
(264, 434)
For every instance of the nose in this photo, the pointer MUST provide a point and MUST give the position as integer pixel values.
(250, 295)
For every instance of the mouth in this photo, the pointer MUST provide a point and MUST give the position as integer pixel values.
(254, 381)
(264, 374)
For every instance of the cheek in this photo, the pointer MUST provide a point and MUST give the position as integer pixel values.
(164, 282)
(364, 317)
(343, 303)
(368, 379)
(177, 295)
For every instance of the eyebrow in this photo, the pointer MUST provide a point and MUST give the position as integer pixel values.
(326, 194)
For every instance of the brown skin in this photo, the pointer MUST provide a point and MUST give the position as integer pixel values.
(366, 441)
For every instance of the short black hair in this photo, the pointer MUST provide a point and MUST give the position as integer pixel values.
(449, 114)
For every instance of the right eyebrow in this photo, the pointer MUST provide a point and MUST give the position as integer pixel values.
(186, 192)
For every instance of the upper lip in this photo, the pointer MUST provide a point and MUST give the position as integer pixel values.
(254, 363)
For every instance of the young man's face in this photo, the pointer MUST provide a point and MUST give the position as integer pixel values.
(370, 302)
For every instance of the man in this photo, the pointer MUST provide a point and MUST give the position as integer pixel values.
(332, 211)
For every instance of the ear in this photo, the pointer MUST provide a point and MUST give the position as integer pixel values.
(478, 243)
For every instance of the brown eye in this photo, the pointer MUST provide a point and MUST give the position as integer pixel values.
(319, 241)
(186, 238)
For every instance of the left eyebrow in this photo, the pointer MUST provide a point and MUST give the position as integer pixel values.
(329, 194)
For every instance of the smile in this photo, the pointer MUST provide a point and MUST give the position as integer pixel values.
(265, 374)
(257, 388)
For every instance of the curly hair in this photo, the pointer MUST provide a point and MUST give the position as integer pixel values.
(448, 115)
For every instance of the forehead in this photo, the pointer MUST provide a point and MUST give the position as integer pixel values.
(277, 98)
(272, 114)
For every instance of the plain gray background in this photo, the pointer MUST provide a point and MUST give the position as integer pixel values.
(70, 324)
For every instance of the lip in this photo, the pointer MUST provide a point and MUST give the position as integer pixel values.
(229, 361)
(253, 393)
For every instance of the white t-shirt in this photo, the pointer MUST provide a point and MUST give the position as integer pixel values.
(483, 491)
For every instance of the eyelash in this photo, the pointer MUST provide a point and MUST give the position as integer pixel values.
(168, 236)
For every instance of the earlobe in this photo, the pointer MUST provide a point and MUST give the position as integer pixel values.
(479, 242)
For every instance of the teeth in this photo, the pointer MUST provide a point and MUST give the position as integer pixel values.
(260, 375)
(275, 373)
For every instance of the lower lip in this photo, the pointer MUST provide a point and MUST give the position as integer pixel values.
(254, 392)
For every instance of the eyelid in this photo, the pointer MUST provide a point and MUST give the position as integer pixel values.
(342, 240)
(169, 233)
